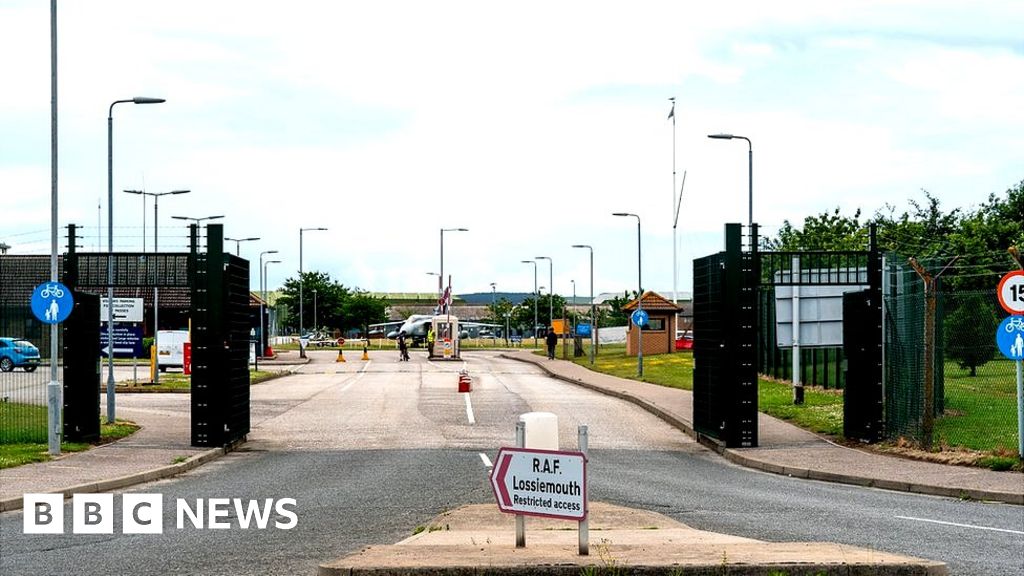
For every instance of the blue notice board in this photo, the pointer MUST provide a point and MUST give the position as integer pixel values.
(127, 341)
(583, 329)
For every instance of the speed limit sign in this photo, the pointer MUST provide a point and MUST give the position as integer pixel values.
(1011, 292)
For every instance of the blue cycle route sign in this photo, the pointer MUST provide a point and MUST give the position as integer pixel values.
(1010, 337)
(52, 302)
(640, 317)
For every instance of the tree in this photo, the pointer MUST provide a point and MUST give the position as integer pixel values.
(968, 332)
(337, 307)
(616, 316)
(826, 231)
(361, 309)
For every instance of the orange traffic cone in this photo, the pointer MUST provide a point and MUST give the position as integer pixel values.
(365, 355)
(341, 355)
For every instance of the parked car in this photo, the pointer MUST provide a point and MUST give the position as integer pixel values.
(684, 340)
(16, 352)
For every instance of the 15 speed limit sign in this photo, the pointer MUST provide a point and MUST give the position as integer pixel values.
(1011, 292)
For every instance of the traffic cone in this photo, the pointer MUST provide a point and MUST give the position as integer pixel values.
(341, 355)
(365, 355)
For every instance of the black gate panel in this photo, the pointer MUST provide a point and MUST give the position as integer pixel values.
(863, 398)
(82, 370)
(220, 345)
(725, 343)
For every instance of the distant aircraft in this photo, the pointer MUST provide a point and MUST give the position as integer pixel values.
(415, 328)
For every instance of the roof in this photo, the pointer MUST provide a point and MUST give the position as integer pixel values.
(653, 301)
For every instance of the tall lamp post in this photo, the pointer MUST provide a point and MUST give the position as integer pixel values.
(750, 171)
(640, 297)
(156, 288)
(238, 242)
(593, 315)
(443, 230)
(536, 297)
(110, 246)
(265, 264)
(302, 347)
(314, 310)
(551, 288)
(263, 299)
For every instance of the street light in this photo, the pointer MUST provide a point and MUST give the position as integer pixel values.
(196, 221)
(302, 348)
(551, 288)
(265, 264)
(593, 315)
(443, 230)
(750, 172)
(110, 246)
(535, 298)
(238, 242)
(314, 310)
(156, 248)
(263, 299)
(438, 274)
(640, 297)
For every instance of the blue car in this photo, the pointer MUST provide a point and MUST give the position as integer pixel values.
(15, 352)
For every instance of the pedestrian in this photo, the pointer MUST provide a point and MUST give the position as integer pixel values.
(430, 342)
(551, 340)
(403, 348)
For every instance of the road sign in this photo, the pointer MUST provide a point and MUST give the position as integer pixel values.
(1010, 337)
(639, 317)
(1011, 292)
(547, 483)
(127, 341)
(52, 302)
(583, 329)
(125, 309)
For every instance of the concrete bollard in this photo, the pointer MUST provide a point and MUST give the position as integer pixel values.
(541, 430)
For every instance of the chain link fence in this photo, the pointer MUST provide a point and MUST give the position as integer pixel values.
(974, 387)
(23, 414)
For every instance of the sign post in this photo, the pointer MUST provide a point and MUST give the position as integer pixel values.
(52, 303)
(1010, 338)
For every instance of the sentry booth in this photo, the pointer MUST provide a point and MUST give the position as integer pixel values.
(660, 332)
(446, 337)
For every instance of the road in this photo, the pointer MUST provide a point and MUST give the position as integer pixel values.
(371, 450)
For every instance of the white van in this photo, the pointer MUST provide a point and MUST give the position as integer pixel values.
(170, 352)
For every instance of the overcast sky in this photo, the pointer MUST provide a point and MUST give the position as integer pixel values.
(528, 123)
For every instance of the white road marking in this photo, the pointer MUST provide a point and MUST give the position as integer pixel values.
(487, 461)
(469, 408)
(961, 525)
(359, 375)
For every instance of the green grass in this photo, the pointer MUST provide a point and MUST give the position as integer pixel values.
(821, 412)
(673, 370)
(27, 424)
(980, 411)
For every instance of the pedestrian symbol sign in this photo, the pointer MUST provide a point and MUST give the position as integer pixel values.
(1010, 337)
(640, 317)
(52, 302)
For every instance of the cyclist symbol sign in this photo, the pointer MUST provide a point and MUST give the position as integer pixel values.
(52, 302)
(1011, 292)
(1010, 337)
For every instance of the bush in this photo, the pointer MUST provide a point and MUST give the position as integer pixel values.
(147, 345)
(969, 333)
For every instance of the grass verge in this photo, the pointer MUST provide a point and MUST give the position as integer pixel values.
(30, 420)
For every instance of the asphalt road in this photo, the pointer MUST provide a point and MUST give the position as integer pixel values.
(369, 451)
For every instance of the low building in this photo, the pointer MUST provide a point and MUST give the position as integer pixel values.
(659, 336)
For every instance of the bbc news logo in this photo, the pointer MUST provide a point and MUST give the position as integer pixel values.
(144, 514)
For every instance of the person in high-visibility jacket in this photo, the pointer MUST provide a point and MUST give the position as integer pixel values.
(430, 342)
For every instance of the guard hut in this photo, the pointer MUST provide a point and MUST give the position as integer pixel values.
(446, 337)
(660, 331)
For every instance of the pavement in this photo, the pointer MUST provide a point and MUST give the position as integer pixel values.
(483, 538)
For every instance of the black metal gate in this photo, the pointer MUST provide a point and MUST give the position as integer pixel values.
(725, 342)
(82, 370)
(863, 398)
(220, 344)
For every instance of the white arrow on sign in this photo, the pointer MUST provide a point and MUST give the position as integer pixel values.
(106, 350)
(547, 483)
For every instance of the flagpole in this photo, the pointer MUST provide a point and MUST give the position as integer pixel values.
(675, 261)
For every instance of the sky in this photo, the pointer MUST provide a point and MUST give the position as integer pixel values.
(528, 123)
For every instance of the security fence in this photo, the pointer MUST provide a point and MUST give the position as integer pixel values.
(23, 387)
(973, 387)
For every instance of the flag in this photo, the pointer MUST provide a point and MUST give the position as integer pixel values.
(672, 112)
